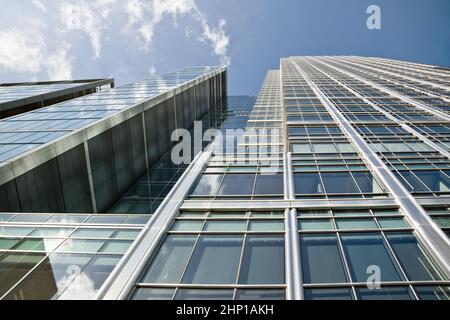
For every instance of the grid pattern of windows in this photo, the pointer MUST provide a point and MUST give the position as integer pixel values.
(349, 223)
(239, 253)
(48, 124)
(339, 248)
(22, 91)
(316, 184)
(61, 256)
(148, 193)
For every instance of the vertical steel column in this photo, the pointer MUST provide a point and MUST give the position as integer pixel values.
(294, 279)
(90, 178)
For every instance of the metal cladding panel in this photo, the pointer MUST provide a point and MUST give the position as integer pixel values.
(103, 170)
(138, 146)
(122, 156)
(74, 180)
(179, 105)
(162, 111)
(104, 158)
(40, 189)
(171, 118)
(151, 131)
(9, 199)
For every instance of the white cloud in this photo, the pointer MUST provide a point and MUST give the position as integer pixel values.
(218, 39)
(59, 64)
(77, 285)
(89, 17)
(26, 51)
(145, 15)
(42, 47)
(152, 70)
(21, 51)
(39, 5)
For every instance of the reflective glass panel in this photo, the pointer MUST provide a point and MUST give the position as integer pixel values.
(169, 263)
(263, 260)
(365, 250)
(215, 260)
(321, 259)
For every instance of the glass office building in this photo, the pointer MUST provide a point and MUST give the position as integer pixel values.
(336, 186)
(16, 98)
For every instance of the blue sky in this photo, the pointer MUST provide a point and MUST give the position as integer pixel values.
(131, 39)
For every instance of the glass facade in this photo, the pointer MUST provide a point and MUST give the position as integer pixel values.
(336, 187)
(357, 139)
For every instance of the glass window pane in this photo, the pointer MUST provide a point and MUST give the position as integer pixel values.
(6, 217)
(346, 148)
(183, 225)
(137, 219)
(410, 181)
(67, 218)
(266, 214)
(220, 226)
(367, 182)
(314, 213)
(15, 231)
(397, 147)
(321, 260)
(204, 294)
(192, 214)
(266, 226)
(46, 245)
(301, 148)
(126, 234)
(385, 293)
(13, 266)
(324, 148)
(93, 233)
(339, 183)
(171, 260)
(392, 223)
(433, 293)
(412, 257)
(369, 249)
(52, 232)
(315, 224)
(442, 222)
(119, 247)
(260, 294)
(68, 276)
(434, 180)
(354, 224)
(208, 185)
(153, 294)
(107, 219)
(328, 294)
(30, 218)
(307, 183)
(6, 244)
(237, 184)
(382, 212)
(227, 214)
(214, 261)
(348, 213)
(269, 184)
(263, 261)
(78, 245)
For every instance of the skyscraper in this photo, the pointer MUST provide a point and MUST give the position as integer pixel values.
(338, 188)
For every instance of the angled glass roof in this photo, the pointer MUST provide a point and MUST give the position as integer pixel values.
(15, 92)
(30, 130)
